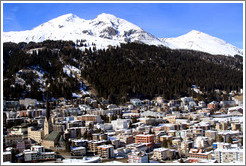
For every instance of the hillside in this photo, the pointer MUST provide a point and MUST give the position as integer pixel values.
(120, 73)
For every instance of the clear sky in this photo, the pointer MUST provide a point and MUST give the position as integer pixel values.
(222, 20)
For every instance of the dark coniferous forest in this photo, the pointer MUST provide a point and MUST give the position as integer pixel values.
(121, 73)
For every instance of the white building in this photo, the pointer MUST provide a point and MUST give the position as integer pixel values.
(160, 154)
(38, 148)
(84, 107)
(136, 102)
(37, 156)
(201, 142)
(138, 157)
(227, 103)
(202, 104)
(120, 124)
(228, 155)
(105, 126)
(186, 100)
(237, 111)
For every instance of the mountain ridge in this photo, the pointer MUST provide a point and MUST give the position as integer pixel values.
(196, 40)
(107, 29)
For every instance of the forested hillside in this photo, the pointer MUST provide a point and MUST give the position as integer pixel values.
(132, 70)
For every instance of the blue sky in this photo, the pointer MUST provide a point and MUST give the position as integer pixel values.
(222, 20)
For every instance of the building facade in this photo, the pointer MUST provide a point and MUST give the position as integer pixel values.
(228, 155)
(141, 138)
(106, 151)
(36, 135)
(138, 157)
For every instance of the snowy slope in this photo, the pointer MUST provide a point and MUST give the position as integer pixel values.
(107, 29)
(200, 41)
(104, 30)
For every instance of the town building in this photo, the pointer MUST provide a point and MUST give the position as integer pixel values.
(199, 153)
(35, 134)
(141, 138)
(78, 151)
(160, 154)
(136, 102)
(21, 145)
(126, 139)
(213, 105)
(138, 157)
(51, 140)
(38, 148)
(12, 139)
(92, 145)
(238, 99)
(7, 156)
(201, 142)
(92, 118)
(228, 155)
(221, 145)
(120, 124)
(106, 151)
(34, 156)
(235, 111)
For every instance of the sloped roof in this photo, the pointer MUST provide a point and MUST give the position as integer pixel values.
(238, 97)
(52, 136)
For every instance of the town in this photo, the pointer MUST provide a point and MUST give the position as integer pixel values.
(87, 129)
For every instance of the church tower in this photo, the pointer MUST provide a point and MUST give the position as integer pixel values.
(48, 127)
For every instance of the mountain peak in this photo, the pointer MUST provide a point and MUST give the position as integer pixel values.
(107, 29)
(196, 40)
(195, 32)
(60, 22)
(106, 16)
(67, 17)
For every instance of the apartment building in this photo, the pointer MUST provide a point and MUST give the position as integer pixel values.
(93, 118)
(36, 135)
(228, 155)
(160, 154)
(148, 138)
(11, 139)
(199, 153)
(78, 151)
(106, 151)
(33, 156)
(127, 139)
(92, 145)
(38, 148)
(7, 156)
(138, 157)
(120, 124)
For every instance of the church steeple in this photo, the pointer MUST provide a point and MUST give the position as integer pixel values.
(48, 127)
(47, 106)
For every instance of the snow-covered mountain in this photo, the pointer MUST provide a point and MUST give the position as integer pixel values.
(104, 30)
(195, 40)
(107, 29)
